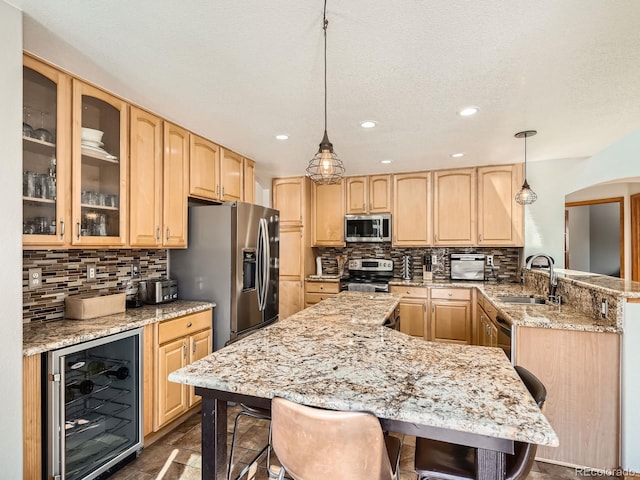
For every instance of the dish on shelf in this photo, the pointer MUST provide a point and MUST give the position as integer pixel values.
(91, 143)
(91, 134)
(97, 152)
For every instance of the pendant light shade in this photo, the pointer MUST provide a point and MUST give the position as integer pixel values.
(526, 196)
(325, 167)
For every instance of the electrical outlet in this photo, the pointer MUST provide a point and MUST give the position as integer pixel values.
(604, 308)
(35, 278)
(91, 271)
(434, 259)
(135, 270)
(489, 260)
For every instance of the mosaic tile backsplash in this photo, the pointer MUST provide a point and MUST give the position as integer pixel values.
(506, 259)
(64, 273)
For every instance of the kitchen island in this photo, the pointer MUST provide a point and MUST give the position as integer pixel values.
(331, 356)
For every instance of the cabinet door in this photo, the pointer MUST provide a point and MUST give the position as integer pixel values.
(176, 186)
(357, 201)
(289, 198)
(46, 155)
(172, 398)
(412, 209)
(204, 170)
(249, 174)
(291, 248)
(380, 193)
(451, 321)
(328, 214)
(230, 176)
(454, 207)
(291, 297)
(145, 179)
(99, 173)
(413, 318)
(500, 218)
(201, 345)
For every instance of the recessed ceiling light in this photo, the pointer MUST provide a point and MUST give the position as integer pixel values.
(457, 155)
(368, 124)
(386, 161)
(282, 137)
(467, 111)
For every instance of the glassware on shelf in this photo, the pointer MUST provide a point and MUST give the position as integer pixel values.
(42, 133)
(27, 129)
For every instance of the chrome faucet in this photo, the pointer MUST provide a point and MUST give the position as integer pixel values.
(553, 277)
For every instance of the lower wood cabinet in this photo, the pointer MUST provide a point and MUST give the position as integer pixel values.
(451, 315)
(487, 331)
(315, 292)
(179, 342)
(413, 310)
(291, 295)
(31, 417)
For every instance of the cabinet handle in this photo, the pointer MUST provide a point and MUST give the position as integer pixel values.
(223, 190)
(189, 324)
(217, 190)
(433, 309)
(168, 234)
(370, 206)
(61, 229)
(480, 236)
(184, 350)
(435, 237)
(158, 234)
(78, 223)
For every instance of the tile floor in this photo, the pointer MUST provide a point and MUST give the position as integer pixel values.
(176, 456)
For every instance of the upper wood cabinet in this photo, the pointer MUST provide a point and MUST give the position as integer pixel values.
(231, 184)
(176, 186)
(500, 218)
(204, 170)
(289, 196)
(249, 180)
(412, 209)
(99, 167)
(46, 155)
(368, 194)
(327, 211)
(454, 207)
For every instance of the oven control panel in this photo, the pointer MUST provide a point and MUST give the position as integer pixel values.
(371, 264)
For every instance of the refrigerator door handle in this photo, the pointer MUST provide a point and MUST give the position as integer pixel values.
(267, 262)
(262, 271)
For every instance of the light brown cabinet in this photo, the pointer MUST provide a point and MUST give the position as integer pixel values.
(99, 174)
(231, 176)
(175, 172)
(487, 330)
(315, 292)
(454, 207)
(327, 204)
(500, 218)
(46, 156)
(414, 319)
(411, 215)
(180, 341)
(290, 196)
(368, 194)
(451, 315)
(32, 440)
(249, 180)
(204, 169)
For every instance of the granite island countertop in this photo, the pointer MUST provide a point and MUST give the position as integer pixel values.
(39, 337)
(317, 359)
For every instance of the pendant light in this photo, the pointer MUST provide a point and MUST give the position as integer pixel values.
(526, 196)
(325, 167)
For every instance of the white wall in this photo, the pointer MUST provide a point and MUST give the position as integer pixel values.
(11, 241)
(579, 238)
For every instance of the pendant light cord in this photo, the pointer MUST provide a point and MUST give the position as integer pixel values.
(324, 27)
(525, 157)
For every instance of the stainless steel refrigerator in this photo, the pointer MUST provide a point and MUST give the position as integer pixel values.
(232, 260)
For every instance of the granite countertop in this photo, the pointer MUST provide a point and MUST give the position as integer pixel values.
(39, 337)
(311, 359)
(560, 317)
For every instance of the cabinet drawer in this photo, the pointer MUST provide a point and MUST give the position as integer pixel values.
(311, 298)
(451, 293)
(417, 292)
(322, 287)
(183, 326)
(489, 309)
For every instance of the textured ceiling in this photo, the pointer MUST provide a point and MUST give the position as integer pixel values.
(242, 71)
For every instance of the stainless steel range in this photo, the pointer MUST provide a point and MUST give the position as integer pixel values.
(368, 275)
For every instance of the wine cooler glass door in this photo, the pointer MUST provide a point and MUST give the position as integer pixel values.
(95, 405)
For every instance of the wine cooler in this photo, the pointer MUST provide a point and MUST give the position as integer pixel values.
(94, 406)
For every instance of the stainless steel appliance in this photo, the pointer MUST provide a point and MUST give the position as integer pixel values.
(232, 260)
(467, 266)
(504, 335)
(153, 292)
(94, 406)
(367, 228)
(368, 275)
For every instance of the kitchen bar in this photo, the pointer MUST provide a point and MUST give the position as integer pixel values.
(339, 357)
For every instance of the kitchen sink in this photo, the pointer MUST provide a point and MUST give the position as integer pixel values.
(522, 299)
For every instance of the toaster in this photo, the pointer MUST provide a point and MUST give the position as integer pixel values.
(157, 291)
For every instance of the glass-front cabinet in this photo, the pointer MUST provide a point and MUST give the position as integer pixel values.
(99, 152)
(46, 154)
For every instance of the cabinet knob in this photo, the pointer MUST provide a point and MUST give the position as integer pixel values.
(450, 294)
(189, 324)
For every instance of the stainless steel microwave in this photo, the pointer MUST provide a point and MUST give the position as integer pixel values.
(367, 228)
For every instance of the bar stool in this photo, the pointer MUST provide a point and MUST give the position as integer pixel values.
(317, 444)
(437, 460)
(252, 412)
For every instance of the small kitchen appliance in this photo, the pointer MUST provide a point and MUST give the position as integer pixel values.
(368, 275)
(153, 292)
(467, 266)
(367, 228)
